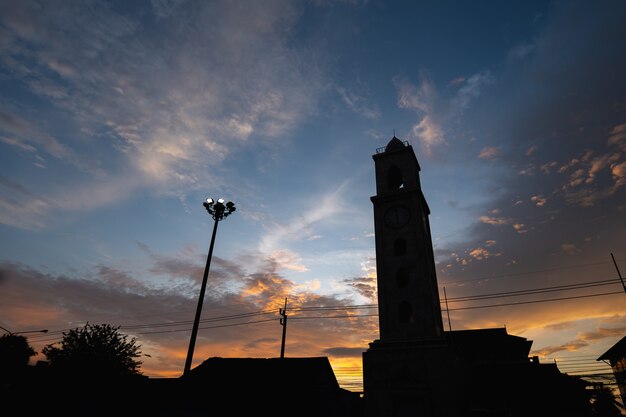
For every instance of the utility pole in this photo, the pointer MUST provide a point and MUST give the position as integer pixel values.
(618, 273)
(283, 322)
(447, 309)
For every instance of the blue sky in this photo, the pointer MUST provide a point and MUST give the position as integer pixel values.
(117, 119)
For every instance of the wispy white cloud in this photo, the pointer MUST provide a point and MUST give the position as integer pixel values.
(424, 100)
(161, 99)
(322, 208)
(287, 259)
(359, 103)
(434, 111)
(489, 152)
(470, 89)
(531, 150)
(27, 135)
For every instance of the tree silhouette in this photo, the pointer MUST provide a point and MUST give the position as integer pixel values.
(14, 353)
(603, 401)
(96, 349)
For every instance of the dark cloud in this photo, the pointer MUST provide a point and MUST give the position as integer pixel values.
(236, 321)
(556, 116)
(345, 352)
(365, 286)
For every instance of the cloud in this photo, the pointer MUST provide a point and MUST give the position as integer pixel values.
(582, 340)
(531, 150)
(521, 51)
(359, 104)
(552, 115)
(494, 221)
(489, 152)
(538, 200)
(27, 135)
(286, 259)
(343, 352)
(456, 81)
(592, 177)
(471, 88)
(365, 286)
(434, 111)
(22, 207)
(617, 136)
(168, 119)
(479, 253)
(160, 315)
(569, 249)
(424, 100)
(319, 209)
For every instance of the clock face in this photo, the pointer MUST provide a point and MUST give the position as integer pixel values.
(397, 216)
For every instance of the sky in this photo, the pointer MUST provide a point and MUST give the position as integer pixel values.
(118, 119)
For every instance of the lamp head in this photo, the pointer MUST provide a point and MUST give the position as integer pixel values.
(217, 209)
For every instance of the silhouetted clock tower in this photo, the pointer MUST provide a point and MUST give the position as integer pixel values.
(408, 370)
(408, 297)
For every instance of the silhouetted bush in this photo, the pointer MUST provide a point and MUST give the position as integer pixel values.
(14, 354)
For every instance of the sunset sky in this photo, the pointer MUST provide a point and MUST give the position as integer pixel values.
(117, 120)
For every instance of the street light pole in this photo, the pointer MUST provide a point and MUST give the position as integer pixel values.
(218, 211)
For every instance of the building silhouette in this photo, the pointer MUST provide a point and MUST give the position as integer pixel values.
(416, 368)
(616, 355)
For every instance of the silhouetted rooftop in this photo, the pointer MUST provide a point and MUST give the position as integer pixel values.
(394, 144)
(616, 351)
(306, 373)
(489, 344)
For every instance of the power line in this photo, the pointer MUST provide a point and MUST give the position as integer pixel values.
(533, 291)
(332, 317)
(210, 327)
(537, 301)
(503, 294)
(207, 320)
(346, 308)
(368, 306)
(538, 271)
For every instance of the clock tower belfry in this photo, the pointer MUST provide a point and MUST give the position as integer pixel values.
(408, 297)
